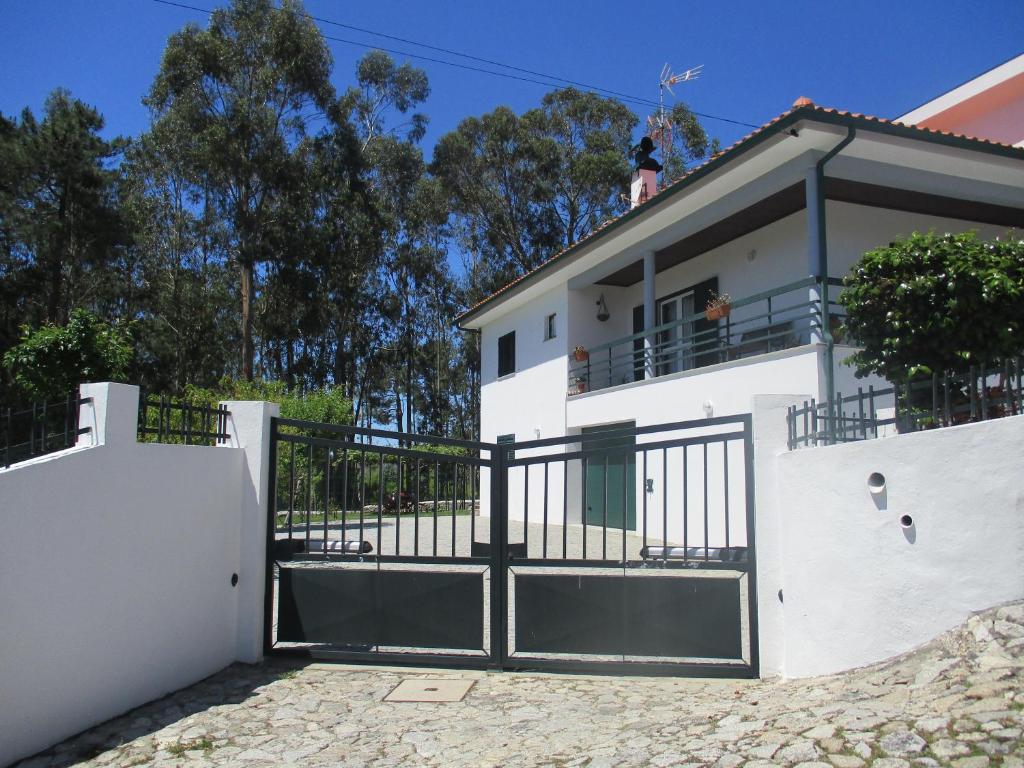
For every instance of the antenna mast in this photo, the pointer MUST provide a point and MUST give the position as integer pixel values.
(659, 126)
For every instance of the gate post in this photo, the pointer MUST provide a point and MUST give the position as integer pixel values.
(499, 557)
(249, 426)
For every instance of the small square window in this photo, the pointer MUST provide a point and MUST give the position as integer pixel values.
(507, 354)
(549, 327)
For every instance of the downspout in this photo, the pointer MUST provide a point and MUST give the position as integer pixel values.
(823, 276)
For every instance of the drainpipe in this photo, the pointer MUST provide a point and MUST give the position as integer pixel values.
(818, 242)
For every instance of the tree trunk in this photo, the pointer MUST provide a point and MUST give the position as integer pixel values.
(247, 287)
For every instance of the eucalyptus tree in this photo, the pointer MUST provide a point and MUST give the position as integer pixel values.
(383, 105)
(182, 292)
(524, 187)
(234, 103)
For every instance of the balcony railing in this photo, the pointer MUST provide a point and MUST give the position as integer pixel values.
(770, 321)
(988, 391)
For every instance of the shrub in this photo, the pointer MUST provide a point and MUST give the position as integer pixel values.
(51, 361)
(935, 302)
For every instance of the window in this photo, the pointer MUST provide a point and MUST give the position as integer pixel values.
(549, 327)
(507, 354)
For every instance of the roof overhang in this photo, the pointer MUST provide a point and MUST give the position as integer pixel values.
(762, 165)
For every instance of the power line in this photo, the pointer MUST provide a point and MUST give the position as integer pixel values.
(546, 83)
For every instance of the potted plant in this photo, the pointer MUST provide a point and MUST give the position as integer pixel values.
(718, 306)
(580, 355)
(579, 385)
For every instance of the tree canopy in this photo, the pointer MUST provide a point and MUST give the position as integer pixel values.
(273, 232)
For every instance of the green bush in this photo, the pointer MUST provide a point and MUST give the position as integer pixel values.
(51, 361)
(329, 405)
(935, 302)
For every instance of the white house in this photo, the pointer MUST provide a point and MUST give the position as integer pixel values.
(775, 221)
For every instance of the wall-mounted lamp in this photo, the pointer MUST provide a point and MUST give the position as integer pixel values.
(602, 309)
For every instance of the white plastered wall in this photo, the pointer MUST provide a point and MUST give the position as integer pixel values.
(857, 586)
(530, 402)
(115, 571)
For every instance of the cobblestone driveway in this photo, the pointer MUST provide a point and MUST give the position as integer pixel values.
(958, 701)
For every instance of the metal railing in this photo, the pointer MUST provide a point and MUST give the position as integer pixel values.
(45, 427)
(161, 420)
(777, 319)
(988, 391)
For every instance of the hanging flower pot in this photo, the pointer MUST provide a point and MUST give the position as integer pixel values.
(580, 355)
(718, 306)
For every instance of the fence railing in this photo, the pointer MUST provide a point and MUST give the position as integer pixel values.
(45, 427)
(988, 391)
(341, 491)
(773, 320)
(162, 420)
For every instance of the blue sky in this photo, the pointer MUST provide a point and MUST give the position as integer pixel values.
(872, 57)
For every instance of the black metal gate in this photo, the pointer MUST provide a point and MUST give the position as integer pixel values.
(622, 549)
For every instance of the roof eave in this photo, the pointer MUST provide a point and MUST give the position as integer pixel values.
(781, 124)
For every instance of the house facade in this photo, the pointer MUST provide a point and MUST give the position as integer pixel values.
(775, 222)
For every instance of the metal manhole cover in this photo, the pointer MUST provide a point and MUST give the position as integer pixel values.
(430, 689)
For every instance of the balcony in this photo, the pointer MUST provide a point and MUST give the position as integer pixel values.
(776, 319)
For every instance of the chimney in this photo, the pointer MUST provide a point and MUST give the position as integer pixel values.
(643, 187)
(644, 184)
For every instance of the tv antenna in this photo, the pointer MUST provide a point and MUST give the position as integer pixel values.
(659, 126)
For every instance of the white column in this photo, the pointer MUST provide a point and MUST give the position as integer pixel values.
(650, 313)
(111, 414)
(249, 427)
(813, 245)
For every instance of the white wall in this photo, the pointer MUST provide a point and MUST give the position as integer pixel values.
(115, 575)
(770, 257)
(532, 398)
(855, 229)
(681, 396)
(779, 257)
(858, 587)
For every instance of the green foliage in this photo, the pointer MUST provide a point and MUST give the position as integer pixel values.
(53, 360)
(328, 405)
(266, 229)
(61, 229)
(234, 106)
(935, 302)
(523, 187)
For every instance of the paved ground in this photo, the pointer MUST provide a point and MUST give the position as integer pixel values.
(958, 701)
(405, 533)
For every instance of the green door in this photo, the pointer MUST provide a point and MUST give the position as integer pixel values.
(610, 476)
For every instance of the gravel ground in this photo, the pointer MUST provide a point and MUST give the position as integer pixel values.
(958, 701)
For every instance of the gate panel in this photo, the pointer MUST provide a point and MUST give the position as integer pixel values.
(377, 549)
(321, 605)
(571, 614)
(685, 617)
(669, 590)
(388, 547)
(353, 607)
